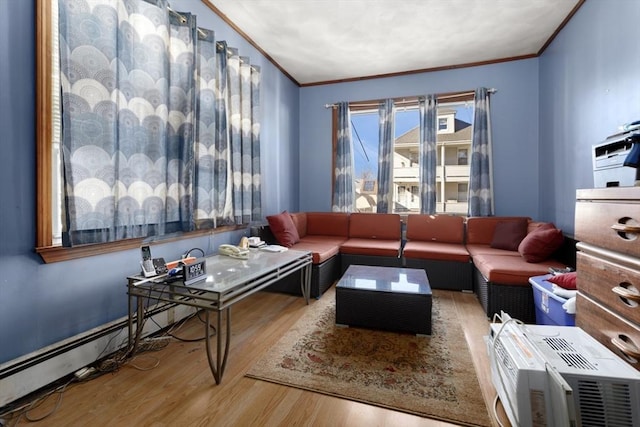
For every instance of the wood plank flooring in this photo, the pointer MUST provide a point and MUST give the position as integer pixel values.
(174, 386)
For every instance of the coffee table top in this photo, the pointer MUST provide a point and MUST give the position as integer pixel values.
(386, 279)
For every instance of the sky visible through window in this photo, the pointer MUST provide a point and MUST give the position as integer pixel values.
(365, 134)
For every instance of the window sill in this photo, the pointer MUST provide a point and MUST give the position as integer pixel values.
(51, 254)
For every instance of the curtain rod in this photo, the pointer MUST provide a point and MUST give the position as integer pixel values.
(400, 101)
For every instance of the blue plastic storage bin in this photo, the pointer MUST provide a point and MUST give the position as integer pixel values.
(549, 309)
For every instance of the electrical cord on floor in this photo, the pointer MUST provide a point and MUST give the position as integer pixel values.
(171, 332)
(12, 415)
(495, 410)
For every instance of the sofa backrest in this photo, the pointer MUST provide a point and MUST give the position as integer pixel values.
(435, 228)
(480, 229)
(375, 226)
(327, 224)
(300, 221)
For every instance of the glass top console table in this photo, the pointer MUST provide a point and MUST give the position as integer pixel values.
(227, 281)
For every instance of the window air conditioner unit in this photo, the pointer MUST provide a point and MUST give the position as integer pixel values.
(560, 376)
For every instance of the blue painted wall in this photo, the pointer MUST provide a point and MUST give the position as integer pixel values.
(546, 115)
(41, 304)
(589, 85)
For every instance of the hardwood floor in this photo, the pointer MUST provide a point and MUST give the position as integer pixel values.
(174, 386)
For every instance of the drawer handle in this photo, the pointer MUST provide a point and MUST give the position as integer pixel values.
(626, 228)
(626, 293)
(626, 348)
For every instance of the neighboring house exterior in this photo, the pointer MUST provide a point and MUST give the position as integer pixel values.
(452, 172)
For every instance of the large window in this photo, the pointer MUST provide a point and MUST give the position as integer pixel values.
(454, 124)
(126, 152)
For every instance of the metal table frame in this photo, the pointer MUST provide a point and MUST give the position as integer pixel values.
(228, 281)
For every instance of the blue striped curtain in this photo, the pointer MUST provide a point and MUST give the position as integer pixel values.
(481, 175)
(428, 107)
(343, 190)
(385, 156)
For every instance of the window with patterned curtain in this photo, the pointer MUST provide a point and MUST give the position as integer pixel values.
(159, 124)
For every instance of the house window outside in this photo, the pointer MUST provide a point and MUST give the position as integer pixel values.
(452, 174)
(463, 156)
(463, 192)
(369, 186)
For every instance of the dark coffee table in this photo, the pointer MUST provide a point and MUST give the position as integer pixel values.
(387, 298)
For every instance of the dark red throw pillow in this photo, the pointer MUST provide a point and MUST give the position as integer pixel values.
(283, 229)
(540, 244)
(566, 280)
(508, 234)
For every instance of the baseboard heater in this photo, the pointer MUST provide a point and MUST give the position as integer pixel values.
(28, 373)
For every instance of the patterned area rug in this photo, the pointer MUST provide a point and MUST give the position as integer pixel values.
(431, 376)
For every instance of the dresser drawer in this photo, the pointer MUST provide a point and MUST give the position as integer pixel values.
(615, 286)
(609, 329)
(610, 225)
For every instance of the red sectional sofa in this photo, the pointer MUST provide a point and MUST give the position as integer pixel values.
(491, 256)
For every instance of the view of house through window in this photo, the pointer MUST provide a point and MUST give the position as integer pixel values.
(454, 149)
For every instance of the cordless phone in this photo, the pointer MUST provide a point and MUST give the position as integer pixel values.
(147, 262)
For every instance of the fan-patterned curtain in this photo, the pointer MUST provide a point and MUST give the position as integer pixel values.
(481, 176)
(428, 108)
(145, 142)
(254, 127)
(343, 191)
(206, 129)
(385, 156)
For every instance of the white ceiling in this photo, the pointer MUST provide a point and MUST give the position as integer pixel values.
(326, 40)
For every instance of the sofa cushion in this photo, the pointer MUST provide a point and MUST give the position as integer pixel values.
(435, 228)
(436, 251)
(488, 250)
(480, 229)
(321, 247)
(328, 223)
(540, 244)
(508, 234)
(375, 226)
(377, 247)
(510, 270)
(283, 229)
(300, 221)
